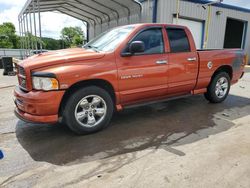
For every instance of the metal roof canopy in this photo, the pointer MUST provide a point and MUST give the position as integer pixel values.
(91, 11)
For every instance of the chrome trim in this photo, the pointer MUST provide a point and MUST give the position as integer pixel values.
(160, 62)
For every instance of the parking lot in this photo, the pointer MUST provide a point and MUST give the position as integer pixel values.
(182, 143)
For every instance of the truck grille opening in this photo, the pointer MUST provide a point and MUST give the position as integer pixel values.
(21, 71)
(22, 82)
(22, 77)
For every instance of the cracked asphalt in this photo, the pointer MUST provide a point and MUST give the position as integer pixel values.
(183, 143)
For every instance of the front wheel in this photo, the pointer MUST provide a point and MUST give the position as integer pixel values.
(88, 110)
(218, 89)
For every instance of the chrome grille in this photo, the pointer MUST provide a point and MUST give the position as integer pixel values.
(22, 82)
(21, 71)
(22, 77)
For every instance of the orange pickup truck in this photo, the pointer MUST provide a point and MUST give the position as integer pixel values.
(124, 67)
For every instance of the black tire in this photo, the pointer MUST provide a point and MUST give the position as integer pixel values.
(211, 95)
(73, 103)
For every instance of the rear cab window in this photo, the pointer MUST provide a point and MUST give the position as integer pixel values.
(178, 40)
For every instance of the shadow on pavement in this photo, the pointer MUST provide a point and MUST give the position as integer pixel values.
(162, 125)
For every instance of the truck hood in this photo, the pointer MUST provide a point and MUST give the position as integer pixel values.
(59, 57)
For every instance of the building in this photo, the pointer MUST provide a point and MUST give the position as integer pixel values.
(228, 26)
(216, 26)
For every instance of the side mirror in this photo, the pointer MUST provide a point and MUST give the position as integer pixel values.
(134, 47)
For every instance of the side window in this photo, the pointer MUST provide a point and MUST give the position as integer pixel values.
(153, 41)
(178, 40)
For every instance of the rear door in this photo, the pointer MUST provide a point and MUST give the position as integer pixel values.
(183, 61)
(144, 76)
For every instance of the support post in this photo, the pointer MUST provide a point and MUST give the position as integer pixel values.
(21, 39)
(177, 11)
(40, 26)
(207, 27)
(31, 31)
(155, 3)
(34, 19)
(25, 35)
(28, 37)
(87, 33)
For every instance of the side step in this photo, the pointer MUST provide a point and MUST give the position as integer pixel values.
(156, 101)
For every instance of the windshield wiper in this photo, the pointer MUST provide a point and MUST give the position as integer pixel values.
(92, 47)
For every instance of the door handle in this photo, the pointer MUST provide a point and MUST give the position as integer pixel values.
(192, 59)
(160, 62)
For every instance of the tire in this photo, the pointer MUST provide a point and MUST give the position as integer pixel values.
(88, 110)
(219, 88)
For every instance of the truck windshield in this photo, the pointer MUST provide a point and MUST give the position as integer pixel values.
(109, 40)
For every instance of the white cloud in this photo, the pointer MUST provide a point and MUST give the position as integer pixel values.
(53, 23)
(13, 2)
(10, 15)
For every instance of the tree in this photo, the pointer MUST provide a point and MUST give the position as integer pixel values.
(73, 36)
(52, 44)
(31, 40)
(8, 36)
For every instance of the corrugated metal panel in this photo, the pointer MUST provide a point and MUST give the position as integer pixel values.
(147, 11)
(167, 9)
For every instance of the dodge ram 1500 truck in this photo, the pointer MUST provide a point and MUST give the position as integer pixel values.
(124, 67)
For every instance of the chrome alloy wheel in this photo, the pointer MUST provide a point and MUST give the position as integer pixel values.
(90, 111)
(221, 87)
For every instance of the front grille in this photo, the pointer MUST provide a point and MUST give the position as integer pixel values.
(21, 71)
(22, 77)
(22, 82)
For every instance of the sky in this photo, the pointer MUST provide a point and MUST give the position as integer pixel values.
(52, 23)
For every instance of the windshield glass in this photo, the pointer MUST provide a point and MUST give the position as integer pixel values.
(109, 40)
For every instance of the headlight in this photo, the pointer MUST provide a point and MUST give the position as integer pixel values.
(43, 83)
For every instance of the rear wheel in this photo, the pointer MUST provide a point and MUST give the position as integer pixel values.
(218, 89)
(88, 110)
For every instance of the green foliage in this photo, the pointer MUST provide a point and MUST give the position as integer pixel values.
(52, 44)
(72, 36)
(33, 40)
(8, 37)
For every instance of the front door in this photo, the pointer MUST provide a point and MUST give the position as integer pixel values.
(144, 76)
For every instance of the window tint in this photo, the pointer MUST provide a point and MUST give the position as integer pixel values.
(178, 40)
(152, 39)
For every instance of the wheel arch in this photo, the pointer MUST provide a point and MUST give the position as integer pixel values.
(104, 84)
(224, 68)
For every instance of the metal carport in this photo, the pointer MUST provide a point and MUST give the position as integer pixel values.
(93, 12)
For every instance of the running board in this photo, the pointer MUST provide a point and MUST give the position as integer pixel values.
(156, 101)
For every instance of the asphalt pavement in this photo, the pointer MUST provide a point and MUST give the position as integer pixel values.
(182, 143)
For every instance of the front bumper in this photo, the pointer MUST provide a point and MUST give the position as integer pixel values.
(37, 106)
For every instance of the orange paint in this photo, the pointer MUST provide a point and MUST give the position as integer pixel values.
(134, 79)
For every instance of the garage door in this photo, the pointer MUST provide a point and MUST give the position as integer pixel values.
(196, 28)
